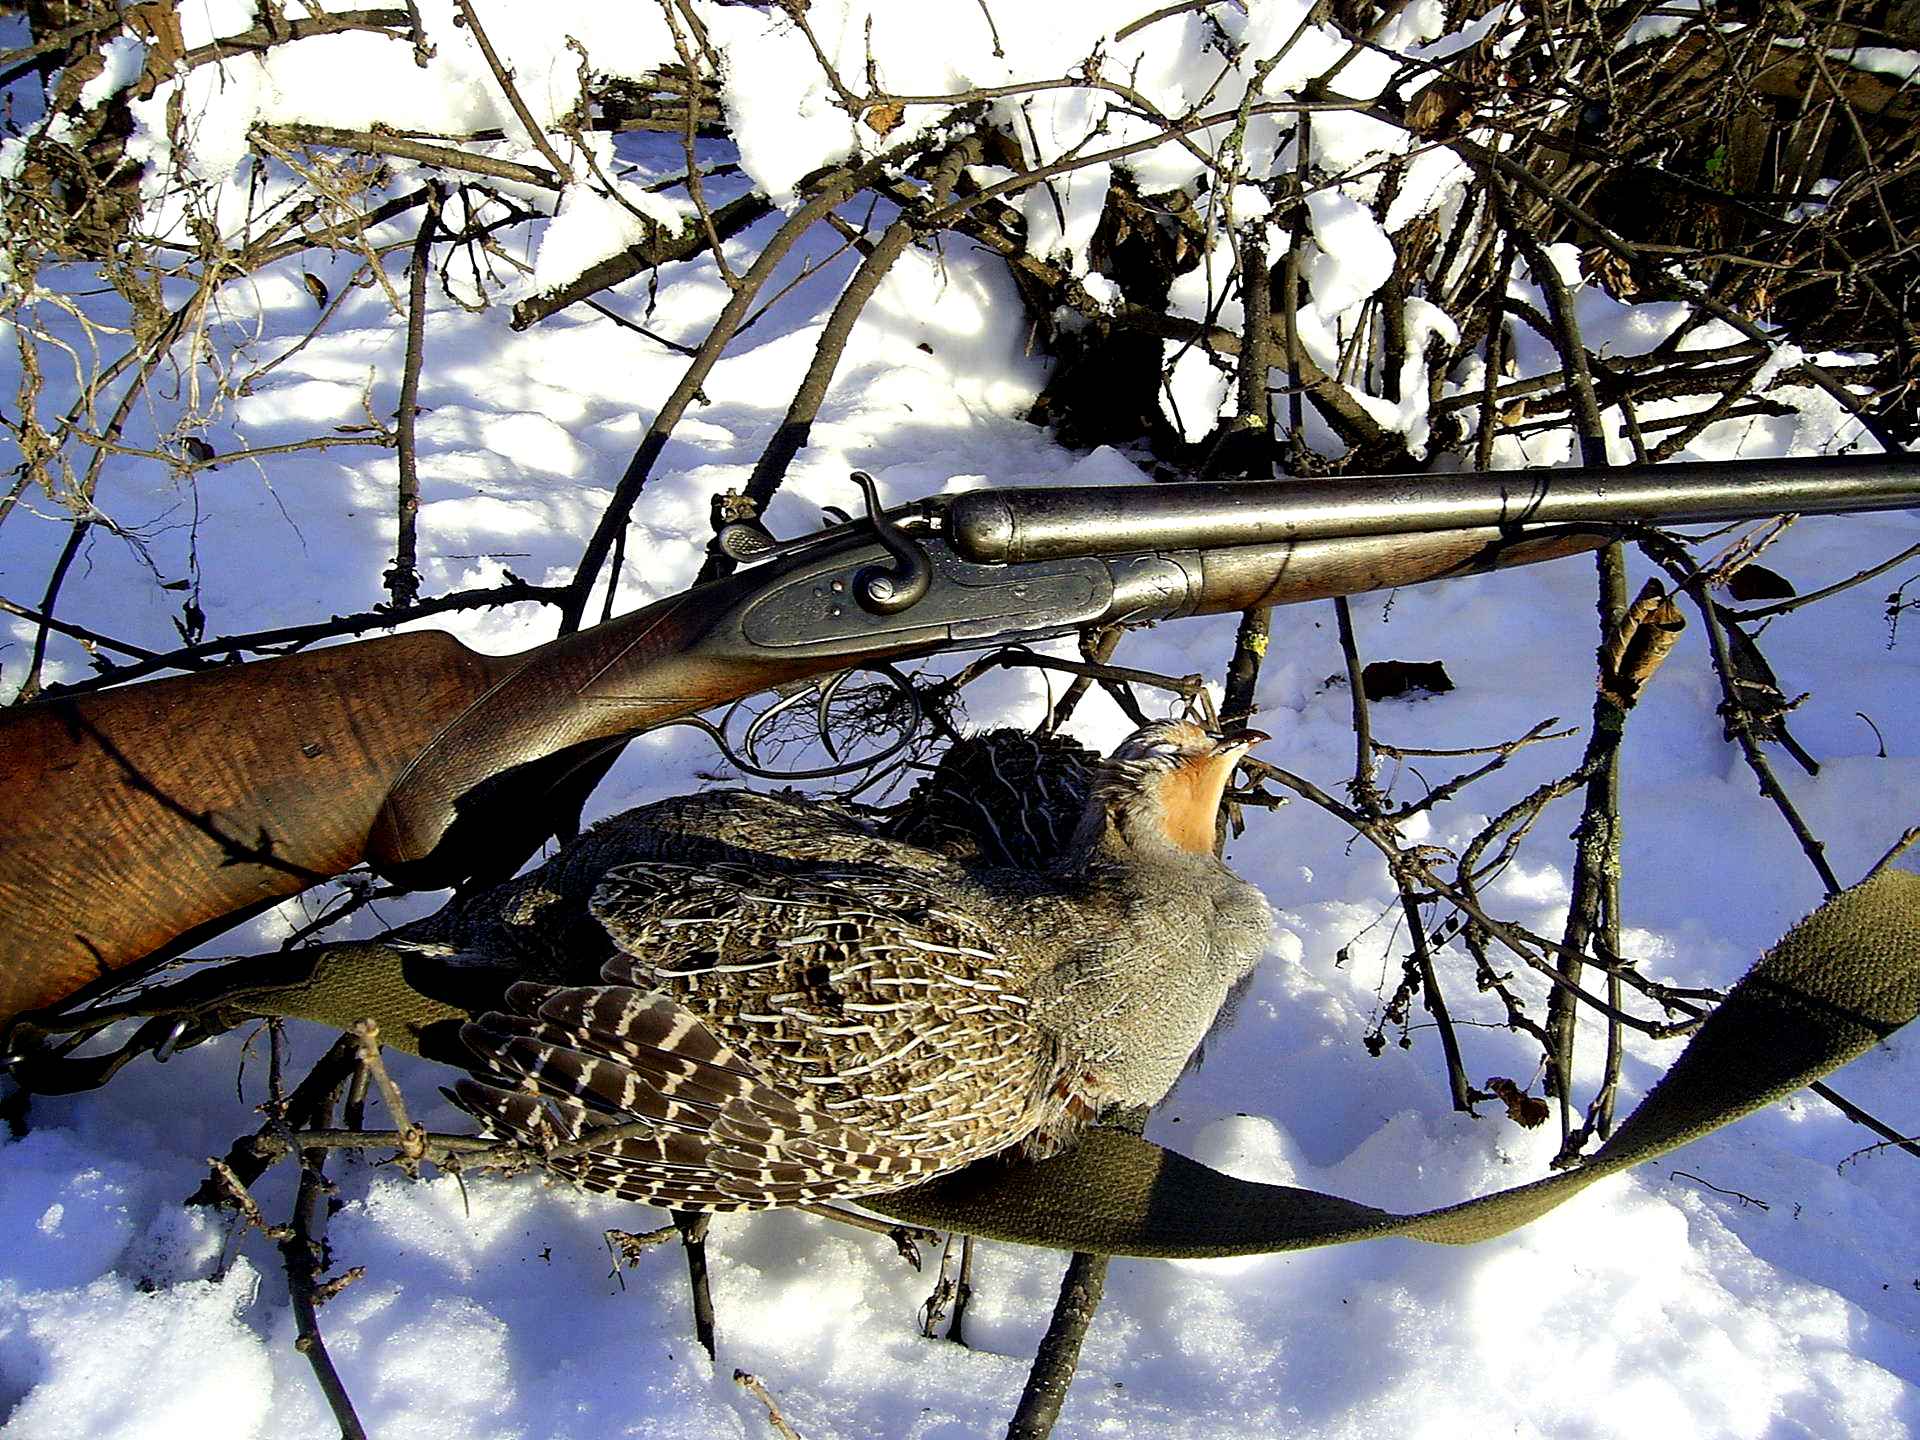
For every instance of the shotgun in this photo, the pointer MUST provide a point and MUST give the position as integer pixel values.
(137, 822)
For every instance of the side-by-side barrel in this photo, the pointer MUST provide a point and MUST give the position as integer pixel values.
(1000, 526)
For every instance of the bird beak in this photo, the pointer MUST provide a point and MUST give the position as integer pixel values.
(1238, 743)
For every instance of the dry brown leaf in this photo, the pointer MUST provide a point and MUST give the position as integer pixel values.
(1613, 271)
(1648, 631)
(1756, 582)
(1523, 1109)
(884, 119)
(158, 24)
(1389, 679)
(1440, 110)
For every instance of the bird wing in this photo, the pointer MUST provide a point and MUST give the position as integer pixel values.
(768, 1037)
(542, 919)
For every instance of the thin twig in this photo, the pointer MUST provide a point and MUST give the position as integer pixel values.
(1059, 1353)
(286, 31)
(1782, 607)
(403, 577)
(409, 1136)
(288, 638)
(1505, 747)
(1246, 449)
(1096, 648)
(797, 425)
(696, 190)
(1528, 947)
(379, 142)
(751, 1384)
(251, 1156)
(504, 78)
(613, 519)
(1893, 852)
(304, 1253)
(155, 350)
(1739, 717)
(1182, 7)
(1593, 917)
(1446, 790)
(658, 249)
(16, 63)
(1369, 802)
(1853, 1112)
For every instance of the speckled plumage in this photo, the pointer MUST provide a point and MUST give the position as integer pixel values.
(793, 1002)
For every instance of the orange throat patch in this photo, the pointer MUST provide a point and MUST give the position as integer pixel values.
(1190, 802)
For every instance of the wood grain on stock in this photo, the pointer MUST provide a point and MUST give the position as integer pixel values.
(131, 819)
(135, 823)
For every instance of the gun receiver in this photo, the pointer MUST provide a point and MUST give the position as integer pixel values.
(136, 822)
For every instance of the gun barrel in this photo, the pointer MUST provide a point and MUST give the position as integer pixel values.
(997, 526)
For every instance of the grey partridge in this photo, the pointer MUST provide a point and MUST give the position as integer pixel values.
(800, 1005)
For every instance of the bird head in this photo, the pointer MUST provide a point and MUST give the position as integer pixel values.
(1161, 787)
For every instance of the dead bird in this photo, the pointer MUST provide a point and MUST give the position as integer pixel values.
(805, 1002)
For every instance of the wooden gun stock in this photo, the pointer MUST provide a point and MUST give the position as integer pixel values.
(135, 823)
(133, 819)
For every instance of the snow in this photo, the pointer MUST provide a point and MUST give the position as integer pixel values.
(1433, 177)
(590, 226)
(1900, 65)
(1354, 255)
(1651, 1304)
(1670, 19)
(125, 57)
(1197, 390)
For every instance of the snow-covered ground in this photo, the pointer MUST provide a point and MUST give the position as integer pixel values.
(1755, 1285)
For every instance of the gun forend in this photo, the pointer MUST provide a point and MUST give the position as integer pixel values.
(1006, 526)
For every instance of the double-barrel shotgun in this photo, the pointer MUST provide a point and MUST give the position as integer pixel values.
(137, 821)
